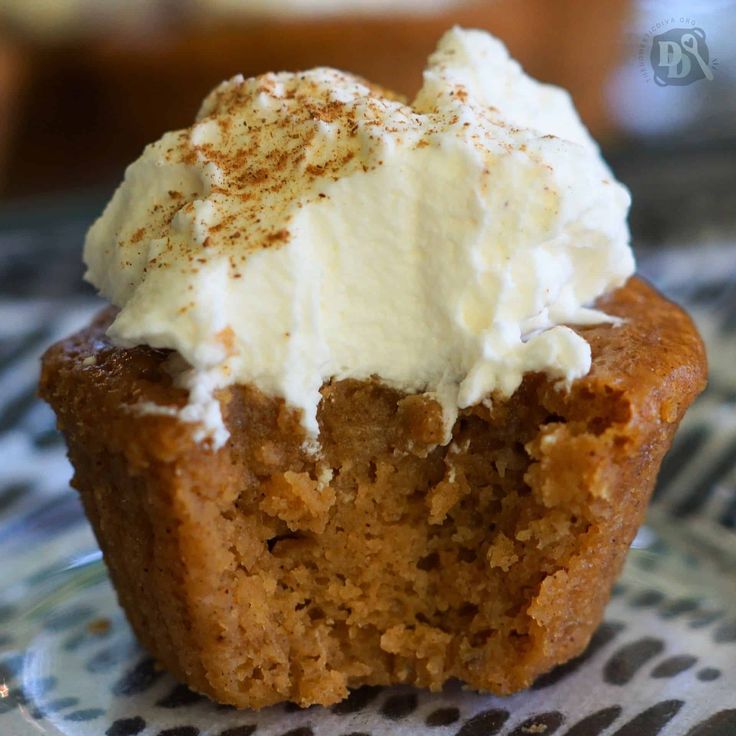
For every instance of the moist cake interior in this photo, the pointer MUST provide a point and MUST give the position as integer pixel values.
(257, 574)
(418, 561)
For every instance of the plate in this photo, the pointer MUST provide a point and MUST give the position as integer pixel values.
(664, 658)
(663, 662)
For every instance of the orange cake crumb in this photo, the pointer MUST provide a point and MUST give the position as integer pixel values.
(262, 572)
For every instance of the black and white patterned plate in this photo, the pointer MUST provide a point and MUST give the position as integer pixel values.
(663, 662)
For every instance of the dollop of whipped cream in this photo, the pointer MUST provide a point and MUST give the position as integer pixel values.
(311, 227)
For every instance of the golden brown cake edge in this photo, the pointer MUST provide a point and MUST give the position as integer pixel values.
(157, 534)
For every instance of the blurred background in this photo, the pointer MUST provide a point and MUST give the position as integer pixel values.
(85, 84)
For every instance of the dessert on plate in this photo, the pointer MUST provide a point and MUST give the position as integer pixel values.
(378, 398)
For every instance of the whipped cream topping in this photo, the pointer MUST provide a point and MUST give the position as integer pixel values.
(311, 227)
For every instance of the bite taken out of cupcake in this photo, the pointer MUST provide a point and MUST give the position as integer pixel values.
(378, 399)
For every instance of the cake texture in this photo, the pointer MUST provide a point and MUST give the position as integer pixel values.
(378, 399)
(261, 572)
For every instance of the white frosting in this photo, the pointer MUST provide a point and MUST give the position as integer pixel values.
(309, 227)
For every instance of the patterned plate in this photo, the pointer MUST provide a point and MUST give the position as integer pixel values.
(663, 662)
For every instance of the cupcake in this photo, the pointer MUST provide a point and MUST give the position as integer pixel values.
(378, 398)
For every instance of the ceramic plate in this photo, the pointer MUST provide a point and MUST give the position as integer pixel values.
(663, 661)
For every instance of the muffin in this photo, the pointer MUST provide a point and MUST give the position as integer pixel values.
(379, 399)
